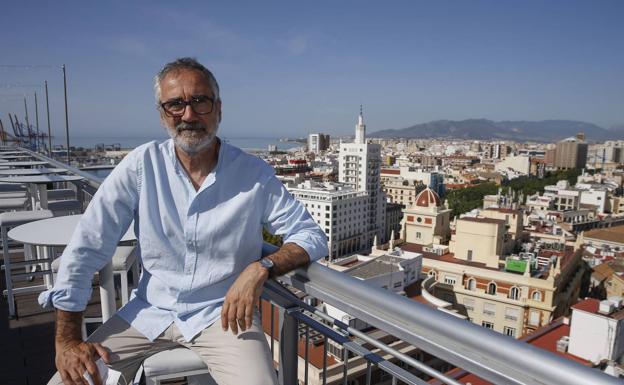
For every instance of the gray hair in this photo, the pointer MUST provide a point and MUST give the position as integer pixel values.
(185, 63)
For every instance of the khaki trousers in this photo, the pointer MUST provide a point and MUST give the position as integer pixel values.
(232, 360)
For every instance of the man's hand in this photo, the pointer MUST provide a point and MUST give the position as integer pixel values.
(242, 297)
(73, 356)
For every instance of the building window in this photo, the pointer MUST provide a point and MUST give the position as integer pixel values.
(432, 274)
(514, 293)
(471, 284)
(469, 255)
(487, 325)
(534, 318)
(450, 280)
(512, 314)
(511, 332)
(536, 296)
(489, 309)
(491, 289)
(469, 303)
(418, 235)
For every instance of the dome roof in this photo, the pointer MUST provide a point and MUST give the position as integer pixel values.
(428, 198)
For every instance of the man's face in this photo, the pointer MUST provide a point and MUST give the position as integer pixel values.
(191, 132)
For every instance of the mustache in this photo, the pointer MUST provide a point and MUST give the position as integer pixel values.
(195, 126)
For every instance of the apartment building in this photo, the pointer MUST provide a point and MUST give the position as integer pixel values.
(564, 196)
(411, 176)
(403, 193)
(359, 166)
(511, 294)
(496, 150)
(318, 143)
(340, 210)
(570, 153)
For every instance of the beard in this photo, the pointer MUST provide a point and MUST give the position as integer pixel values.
(192, 137)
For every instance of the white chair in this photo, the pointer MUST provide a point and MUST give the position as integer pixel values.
(124, 262)
(61, 193)
(175, 363)
(15, 194)
(65, 207)
(11, 187)
(8, 220)
(12, 204)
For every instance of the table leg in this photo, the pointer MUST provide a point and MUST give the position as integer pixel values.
(43, 196)
(107, 292)
(33, 192)
(46, 254)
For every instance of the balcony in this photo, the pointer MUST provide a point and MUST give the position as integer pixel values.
(401, 341)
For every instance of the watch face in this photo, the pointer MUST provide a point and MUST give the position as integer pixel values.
(267, 263)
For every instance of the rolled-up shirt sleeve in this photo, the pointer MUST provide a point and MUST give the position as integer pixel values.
(286, 216)
(95, 239)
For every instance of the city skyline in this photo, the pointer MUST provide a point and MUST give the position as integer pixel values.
(289, 70)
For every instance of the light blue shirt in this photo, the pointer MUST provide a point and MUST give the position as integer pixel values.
(193, 244)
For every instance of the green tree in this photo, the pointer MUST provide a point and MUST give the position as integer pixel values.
(271, 238)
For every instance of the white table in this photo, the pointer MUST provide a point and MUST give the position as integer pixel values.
(29, 163)
(58, 232)
(15, 157)
(39, 182)
(29, 171)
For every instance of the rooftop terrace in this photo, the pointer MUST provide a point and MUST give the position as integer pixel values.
(291, 320)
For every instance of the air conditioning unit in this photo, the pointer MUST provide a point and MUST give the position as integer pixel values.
(606, 307)
(562, 344)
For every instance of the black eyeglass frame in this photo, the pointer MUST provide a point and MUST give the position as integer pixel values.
(194, 99)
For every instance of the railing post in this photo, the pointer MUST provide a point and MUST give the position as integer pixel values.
(288, 344)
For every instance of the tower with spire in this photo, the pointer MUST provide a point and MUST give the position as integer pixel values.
(360, 129)
(359, 166)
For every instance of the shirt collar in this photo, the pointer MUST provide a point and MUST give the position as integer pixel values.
(224, 152)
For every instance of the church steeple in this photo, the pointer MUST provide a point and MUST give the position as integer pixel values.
(360, 129)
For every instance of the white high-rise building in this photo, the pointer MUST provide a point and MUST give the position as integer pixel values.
(359, 166)
(340, 210)
(318, 143)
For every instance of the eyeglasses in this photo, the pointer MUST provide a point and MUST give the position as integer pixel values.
(200, 105)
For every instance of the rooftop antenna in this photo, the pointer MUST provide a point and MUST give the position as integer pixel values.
(36, 123)
(66, 116)
(2, 132)
(48, 113)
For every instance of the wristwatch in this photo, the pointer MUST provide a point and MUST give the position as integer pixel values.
(268, 264)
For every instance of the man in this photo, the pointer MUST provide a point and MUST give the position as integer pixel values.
(199, 206)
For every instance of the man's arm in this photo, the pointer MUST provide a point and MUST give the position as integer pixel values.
(74, 356)
(304, 241)
(244, 295)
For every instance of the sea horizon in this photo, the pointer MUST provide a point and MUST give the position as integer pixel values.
(129, 142)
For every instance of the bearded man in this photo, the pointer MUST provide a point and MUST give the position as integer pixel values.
(199, 206)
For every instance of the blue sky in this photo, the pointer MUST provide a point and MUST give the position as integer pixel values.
(288, 68)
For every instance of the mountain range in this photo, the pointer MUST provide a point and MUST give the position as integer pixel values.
(522, 130)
